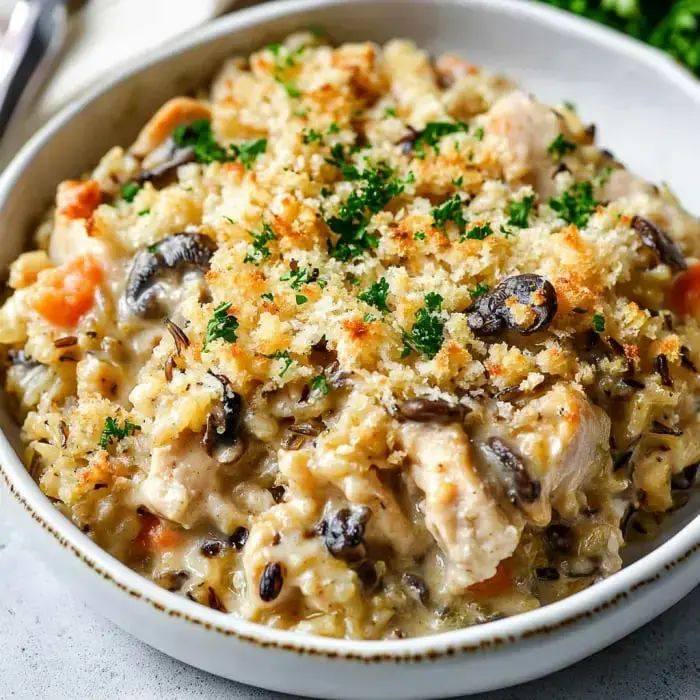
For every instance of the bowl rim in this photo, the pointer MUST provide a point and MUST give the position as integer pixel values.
(578, 608)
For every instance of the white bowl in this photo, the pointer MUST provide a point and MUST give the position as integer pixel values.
(647, 110)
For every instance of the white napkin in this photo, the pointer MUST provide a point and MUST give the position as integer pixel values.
(101, 36)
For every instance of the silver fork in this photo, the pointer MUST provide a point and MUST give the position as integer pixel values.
(33, 39)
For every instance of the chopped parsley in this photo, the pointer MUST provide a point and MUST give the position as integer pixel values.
(390, 112)
(560, 147)
(333, 128)
(112, 430)
(144, 212)
(519, 212)
(199, 136)
(248, 152)
(129, 191)
(458, 181)
(419, 236)
(282, 63)
(433, 132)
(260, 251)
(300, 299)
(575, 205)
(376, 295)
(478, 233)
(377, 186)
(299, 277)
(603, 176)
(311, 135)
(599, 323)
(268, 296)
(368, 318)
(320, 384)
(221, 326)
(427, 334)
(282, 355)
(451, 210)
(479, 133)
(479, 290)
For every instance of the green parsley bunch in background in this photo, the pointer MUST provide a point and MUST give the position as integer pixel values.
(670, 25)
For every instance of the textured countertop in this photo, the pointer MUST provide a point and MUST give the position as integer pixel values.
(52, 646)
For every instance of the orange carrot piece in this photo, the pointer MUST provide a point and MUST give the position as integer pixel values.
(685, 293)
(77, 199)
(65, 293)
(156, 536)
(501, 582)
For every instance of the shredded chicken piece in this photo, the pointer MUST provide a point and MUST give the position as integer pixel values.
(474, 532)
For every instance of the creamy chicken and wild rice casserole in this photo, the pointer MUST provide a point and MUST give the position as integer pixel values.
(360, 344)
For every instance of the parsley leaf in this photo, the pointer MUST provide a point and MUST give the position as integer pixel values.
(433, 132)
(333, 128)
(479, 133)
(112, 430)
(575, 205)
(260, 251)
(301, 299)
(419, 236)
(199, 136)
(299, 277)
(282, 355)
(390, 112)
(311, 135)
(144, 212)
(451, 210)
(377, 186)
(221, 325)
(599, 323)
(376, 295)
(428, 330)
(479, 290)
(320, 383)
(560, 147)
(478, 233)
(129, 191)
(248, 152)
(519, 212)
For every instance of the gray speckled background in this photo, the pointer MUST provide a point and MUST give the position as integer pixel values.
(52, 646)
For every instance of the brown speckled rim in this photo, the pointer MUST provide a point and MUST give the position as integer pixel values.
(592, 604)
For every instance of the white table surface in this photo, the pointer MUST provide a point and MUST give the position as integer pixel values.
(53, 647)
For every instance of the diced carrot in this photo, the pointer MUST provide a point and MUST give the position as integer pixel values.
(65, 293)
(156, 536)
(685, 293)
(501, 582)
(77, 199)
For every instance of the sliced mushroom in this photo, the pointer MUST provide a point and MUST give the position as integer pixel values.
(520, 487)
(181, 251)
(660, 242)
(164, 161)
(427, 411)
(494, 312)
(222, 435)
(344, 533)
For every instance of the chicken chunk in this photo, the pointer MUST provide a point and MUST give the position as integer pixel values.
(474, 532)
(519, 130)
(563, 440)
(180, 485)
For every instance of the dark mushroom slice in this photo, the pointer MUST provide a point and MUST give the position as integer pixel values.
(239, 538)
(431, 411)
(490, 313)
(520, 487)
(344, 533)
(164, 164)
(222, 435)
(180, 251)
(559, 538)
(660, 242)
